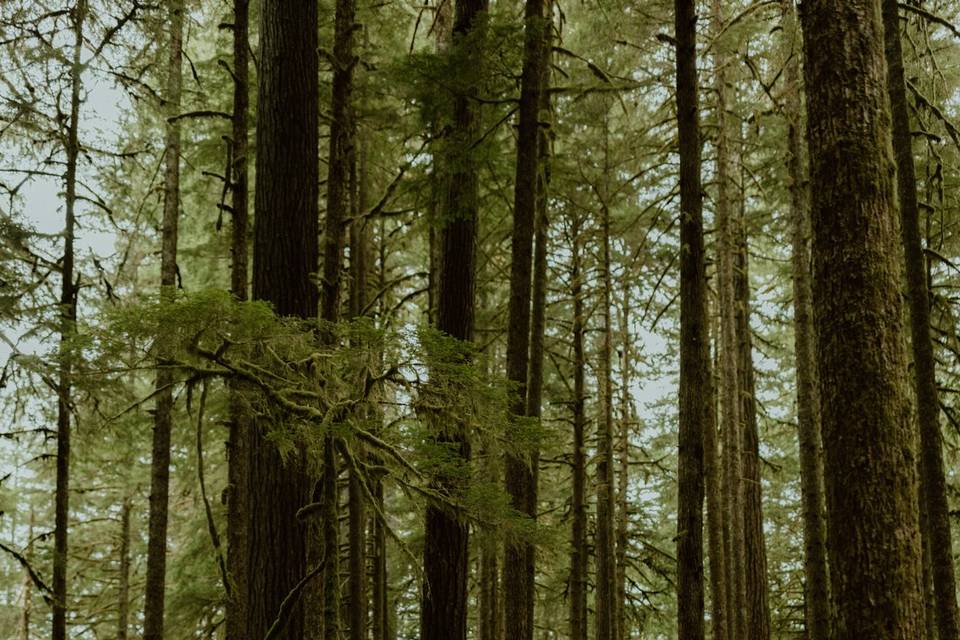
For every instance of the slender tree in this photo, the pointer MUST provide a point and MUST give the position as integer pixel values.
(932, 480)
(163, 413)
(240, 423)
(816, 583)
(729, 372)
(68, 322)
(521, 476)
(123, 590)
(623, 463)
(285, 255)
(719, 620)
(606, 510)
(694, 347)
(578, 541)
(341, 151)
(446, 548)
(757, 604)
(870, 475)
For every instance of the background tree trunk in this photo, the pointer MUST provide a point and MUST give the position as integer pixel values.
(870, 477)
(816, 585)
(238, 448)
(123, 590)
(755, 547)
(606, 510)
(578, 543)
(731, 418)
(153, 628)
(68, 321)
(694, 350)
(719, 620)
(446, 549)
(519, 588)
(932, 480)
(623, 470)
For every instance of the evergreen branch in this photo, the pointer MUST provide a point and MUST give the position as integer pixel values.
(200, 114)
(211, 525)
(925, 101)
(930, 17)
(46, 592)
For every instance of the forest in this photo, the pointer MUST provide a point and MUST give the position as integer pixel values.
(486, 319)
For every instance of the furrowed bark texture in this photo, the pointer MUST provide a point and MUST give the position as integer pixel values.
(870, 467)
(285, 255)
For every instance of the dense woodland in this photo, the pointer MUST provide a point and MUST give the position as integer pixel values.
(512, 320)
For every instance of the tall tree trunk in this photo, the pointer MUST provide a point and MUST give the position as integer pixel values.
(694, 348)
(285, 255)
(816, 584)
(932, 481)
(606, 509)
(521, 476)
(238, 447)
(729, 376)
(719, 620)
(358, 302)
(381, 613)
(446, 548)
(755, 548)
(623, 466)
(337, 201)
(870, 476)
(489, 601)
(163, 413)
(68, 321)
(123, 591)
(578, 541)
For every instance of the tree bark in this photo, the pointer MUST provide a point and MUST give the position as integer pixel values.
(870, 474)
(623, 466)
(285, 255)
(153, 627)
(447, 541)
(816, 585)
(731, 418)
(606, 509)
(337, 204)
(719, 620)
(694, 350)
(755, 548)
(521, 477)
(123, 591)
(932, 480)
(238, 447)
(578, 541)
(358, 301)
(68, 321)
